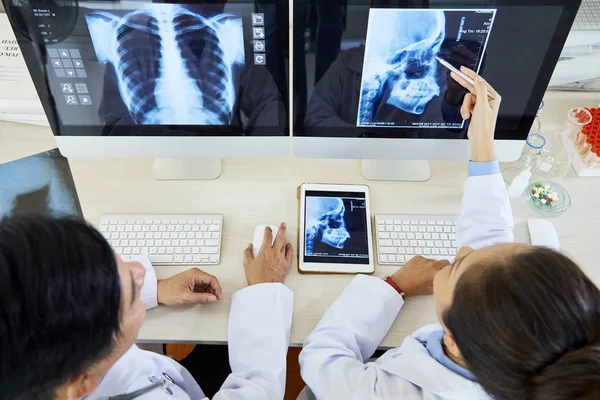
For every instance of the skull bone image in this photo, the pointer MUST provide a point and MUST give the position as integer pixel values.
(325, 223)
(402, 78)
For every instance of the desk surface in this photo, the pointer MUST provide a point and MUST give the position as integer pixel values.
(253, 192)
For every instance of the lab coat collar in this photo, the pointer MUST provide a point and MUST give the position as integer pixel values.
(412, 362)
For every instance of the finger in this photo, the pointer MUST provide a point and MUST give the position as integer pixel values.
(280, 238)
(473, 75)
(289, 253)
(268, 239)
(467, 107)
(462, 82)
(248, 254)
(200, 298)
(216, 288)
(481, 90)
(441, 264)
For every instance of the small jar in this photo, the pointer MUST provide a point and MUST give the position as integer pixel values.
(577, 118)
(530, 158)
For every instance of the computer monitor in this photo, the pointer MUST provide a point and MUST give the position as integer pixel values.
(167, 80)
(369, 86)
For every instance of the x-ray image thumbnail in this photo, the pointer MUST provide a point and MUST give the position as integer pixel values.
(402, 83)
(173, 64)
(335, 227)
(39, 184)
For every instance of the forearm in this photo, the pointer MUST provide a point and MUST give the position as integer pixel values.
(149, 291)
(259, 334)
(333, 355)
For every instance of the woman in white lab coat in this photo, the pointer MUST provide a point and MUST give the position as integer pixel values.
(516, 322)
(70, 311)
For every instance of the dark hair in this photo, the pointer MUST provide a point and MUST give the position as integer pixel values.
(528, 326)
(59, 303)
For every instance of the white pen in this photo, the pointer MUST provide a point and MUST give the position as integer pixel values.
(463, 76)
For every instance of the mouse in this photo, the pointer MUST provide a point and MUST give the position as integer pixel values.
(259, 235)
(543, 233)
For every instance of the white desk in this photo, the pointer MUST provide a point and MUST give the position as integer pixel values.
(252, 192)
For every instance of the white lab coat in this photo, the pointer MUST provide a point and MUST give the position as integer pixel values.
(259, 333)
(334, 354)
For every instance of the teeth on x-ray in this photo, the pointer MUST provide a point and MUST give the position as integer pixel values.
(325, 223)
(403, 65)
(173, 66)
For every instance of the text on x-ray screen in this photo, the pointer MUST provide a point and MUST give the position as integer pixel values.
(173, 65)
(335, 229)
(402, 84)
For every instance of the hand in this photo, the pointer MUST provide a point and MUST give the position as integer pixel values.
(483, 111)
(189, 287)
(416, 277)
(272, 263)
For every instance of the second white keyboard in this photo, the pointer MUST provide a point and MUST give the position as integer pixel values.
(174, 239)
(400, 237)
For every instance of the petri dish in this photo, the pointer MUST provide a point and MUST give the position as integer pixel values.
(548, 198)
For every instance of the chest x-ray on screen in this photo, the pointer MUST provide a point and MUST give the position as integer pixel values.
(38, 184)
(402, 82)
(336, 227)
(173, 64)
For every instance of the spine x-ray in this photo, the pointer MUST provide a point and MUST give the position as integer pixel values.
(335, 227)
(173, 65)
(402, 83)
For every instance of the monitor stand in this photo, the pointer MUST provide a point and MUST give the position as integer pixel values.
(186, 168)
(396, 170)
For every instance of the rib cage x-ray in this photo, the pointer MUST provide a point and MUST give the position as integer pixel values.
(400, 73)
(325, 223)
(172, 65)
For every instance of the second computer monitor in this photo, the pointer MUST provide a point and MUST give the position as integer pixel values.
(367, 83)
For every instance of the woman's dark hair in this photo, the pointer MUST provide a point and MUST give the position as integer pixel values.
(528, 326)
(59, 303)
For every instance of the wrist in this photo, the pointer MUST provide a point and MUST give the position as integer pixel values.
(159, 291)
(483, 153)
(389, 280)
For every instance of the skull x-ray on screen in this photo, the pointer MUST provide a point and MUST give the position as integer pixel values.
(336, 228)
(400, 73)
(173, 64)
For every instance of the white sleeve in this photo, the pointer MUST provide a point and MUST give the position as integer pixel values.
(149, 292)
(486, 216)
(333, 356)
(259, 336)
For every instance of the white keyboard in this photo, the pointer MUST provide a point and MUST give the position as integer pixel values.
(400, 237)
(175, 239)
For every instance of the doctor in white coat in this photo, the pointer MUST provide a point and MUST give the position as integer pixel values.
(70, 311)
(516, 322)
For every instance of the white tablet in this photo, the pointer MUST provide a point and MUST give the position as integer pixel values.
(335, 229)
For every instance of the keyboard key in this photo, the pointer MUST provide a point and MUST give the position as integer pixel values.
(136, 250)
(140, 235)
(385, 243)
(452, 252)
(422, 229)
(430, 222)
(380, 221)
(216, 235)
(131, 235)
(124, 243)
(410, 251)
(402, 236)
(435, 236)
(187, 250)
(435, 251)
(153, 250)
(396, 243)
(162, 250)
(123, 235)
(394, 235)
(427, 251)
(444, 252)
(214, 228)
(209, 250)
(410, 236)
(170, 250)
(408, 258)
(204, 228)
(196, 250)
(389, 228)
(444, 236)
(452, 236)
(414, 222)
(447, 229)
(178, 250)
(382, 250)
(414, 228)
(405, 228)
(150, 243)
(392, 259)
(397, 228)
(127, 250)
(405, 243)
(178, 228)
(187, 259)
(158, 243)
(133, 243)
(383, 258)
(419, 251)
(439, 222)
(448, 223)
(400, 259)
(413, 243)
(381, 228)
(455, 244)
(447, 244)
(419, 236)
(453, 229)
(382, 235)
(120, 228)
(211, 242)
(431, 229)
(196, 258)
(187, 228)
(182, 242)
(421, 243)
(191, 242)
(430, 243)
(401, 250)
(114, 235)
(439, 229)
(206, 235)
(178, 259)
(195, 228)
(422, 222)
(439, 243)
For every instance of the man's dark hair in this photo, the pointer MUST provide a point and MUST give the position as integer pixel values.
(528, 326)
(60, 298)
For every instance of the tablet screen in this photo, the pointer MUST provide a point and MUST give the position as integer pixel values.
(335, 226)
